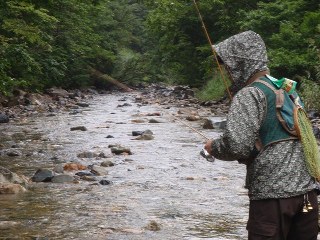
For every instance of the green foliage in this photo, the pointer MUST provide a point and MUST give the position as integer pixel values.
(130, 67)
(214, 89)
(290, 29)
(310, 92)
(22, 38)
(54, 43)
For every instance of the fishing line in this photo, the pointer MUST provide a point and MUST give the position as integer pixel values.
(203, 151)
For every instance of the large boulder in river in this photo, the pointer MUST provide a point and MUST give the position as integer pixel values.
(11, 188)
(63, 178)
(42, 175)
(6, 176)
(10, 183)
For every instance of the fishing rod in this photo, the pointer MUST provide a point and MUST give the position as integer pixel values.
(212, 49)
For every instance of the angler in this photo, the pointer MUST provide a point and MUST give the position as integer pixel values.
(268, 131)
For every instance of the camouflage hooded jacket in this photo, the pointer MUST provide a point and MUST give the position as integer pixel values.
(279, 171)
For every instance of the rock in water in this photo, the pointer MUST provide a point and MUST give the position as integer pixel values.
(11, 188)
(42, 175)
(4, 118)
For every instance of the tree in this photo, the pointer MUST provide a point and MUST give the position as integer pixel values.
(23, 37)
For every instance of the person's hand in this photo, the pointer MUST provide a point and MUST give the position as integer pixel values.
(208, 146)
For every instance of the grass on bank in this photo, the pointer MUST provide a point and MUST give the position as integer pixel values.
(310, 94)
(214, 89)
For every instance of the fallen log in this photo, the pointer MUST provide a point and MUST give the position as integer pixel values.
(110, 79)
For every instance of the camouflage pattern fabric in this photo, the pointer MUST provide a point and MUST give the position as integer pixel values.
(279, 171)
(244, 54)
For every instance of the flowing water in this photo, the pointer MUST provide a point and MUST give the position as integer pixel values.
(164, 190)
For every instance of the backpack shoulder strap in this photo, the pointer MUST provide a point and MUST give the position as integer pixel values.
(277, 92)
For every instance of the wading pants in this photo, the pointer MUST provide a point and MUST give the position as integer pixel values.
(283, 219)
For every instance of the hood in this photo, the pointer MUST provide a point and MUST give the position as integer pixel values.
(244, 54)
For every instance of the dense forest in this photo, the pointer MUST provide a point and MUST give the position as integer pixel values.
(58, 42)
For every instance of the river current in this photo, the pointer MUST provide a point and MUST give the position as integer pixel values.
(164, 191)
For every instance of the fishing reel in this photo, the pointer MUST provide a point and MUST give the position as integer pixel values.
(204, 153)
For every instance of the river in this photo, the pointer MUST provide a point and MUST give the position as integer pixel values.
(164, 190)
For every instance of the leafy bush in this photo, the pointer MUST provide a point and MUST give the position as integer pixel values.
(310, 93)
(214, 89)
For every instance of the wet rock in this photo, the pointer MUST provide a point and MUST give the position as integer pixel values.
(208, 124)
(137, 133)
(316, 131)
(42, 175)
(88, 154)
(153, 226)
(313, 114)
(107, 163)
(102, 155)
(58, 92)
(124, 105)
(4, 118)
(138, 121)
(74, 167)
(193, 118)
(99, 171)
(88, 178)
(13, 153)
(145, 137)
(148, 132)
(120, 150)
(79, 128)
(81, 174)
(214, 124)
(59, 168)
(6, 176)
(153, 114)
(123, 99)
(152, 120)
(64, 178)
(35, 99)
(11, 188)
(190, 178)
(72, 106)
(182, 92)
(16, 145)
(109, 136)
(75, 112)
(82, 104)
(105, 182)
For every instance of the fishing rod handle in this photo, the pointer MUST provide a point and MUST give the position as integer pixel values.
(204, 153)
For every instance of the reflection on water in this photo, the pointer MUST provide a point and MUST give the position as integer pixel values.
(165, 180)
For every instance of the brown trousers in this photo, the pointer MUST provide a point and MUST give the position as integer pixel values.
(283, 219)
